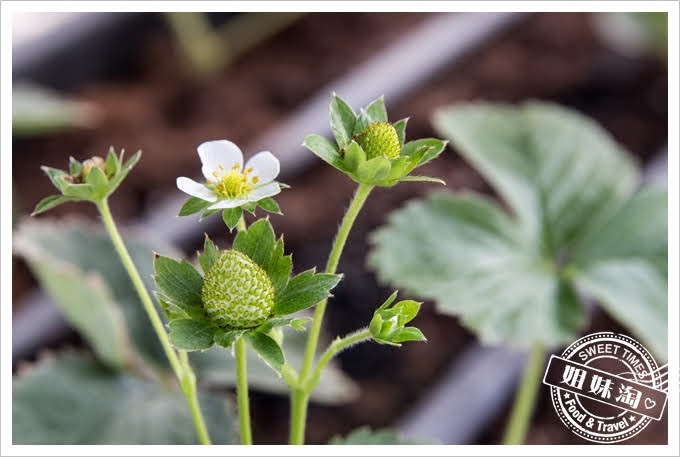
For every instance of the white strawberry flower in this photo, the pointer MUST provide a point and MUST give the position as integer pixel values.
(228, 182)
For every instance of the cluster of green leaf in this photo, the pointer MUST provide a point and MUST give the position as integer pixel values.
(579, 224)
(91, 180)
(388, 325)
(191, 329)
(73, 264)
(350, 158)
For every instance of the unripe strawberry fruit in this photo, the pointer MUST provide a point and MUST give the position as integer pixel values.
(379, 139)
(237, 293)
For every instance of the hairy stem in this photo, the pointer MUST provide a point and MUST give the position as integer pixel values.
(183, 371)
(337, 346)
(523, 406)
(188, 383)
(242, 392)
(299, 410)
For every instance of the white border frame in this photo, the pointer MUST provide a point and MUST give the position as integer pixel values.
(9, 8)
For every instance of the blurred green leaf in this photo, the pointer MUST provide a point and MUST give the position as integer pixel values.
(366, 436)
(71, 399)
(192, 334)
(38, 111)
(577, 223)
(79, 248)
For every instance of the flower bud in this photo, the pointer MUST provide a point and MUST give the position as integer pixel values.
(88, 164)
(237, 293)
(379, 139)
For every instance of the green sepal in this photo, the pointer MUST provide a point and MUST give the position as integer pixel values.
(400, 127)
(227, 338)
(124, 170)
(192, 206)
(192, 334)
(180, 284)
(250, 207)
(112, 164)
(56, 176)
(97, 179)
(258, 242)
(50, 202)
(267, 349)
(304, 291)
(74, 167)
(342, 120)
(354, 156)
(325, 150)
(373, 170)
(209, 254)
(422, 179)
(231, 216)
(79, 191)
(269, 204)
(208, 213)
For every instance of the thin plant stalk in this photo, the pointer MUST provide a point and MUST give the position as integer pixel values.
(300, 395)
(242, 378)
(525, 399)
(181, 368)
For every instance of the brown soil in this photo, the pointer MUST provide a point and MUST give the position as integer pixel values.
(550, 56)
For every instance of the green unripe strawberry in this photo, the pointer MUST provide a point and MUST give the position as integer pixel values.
(379, 139)
(237, 293)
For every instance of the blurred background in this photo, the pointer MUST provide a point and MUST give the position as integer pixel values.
(166, 83)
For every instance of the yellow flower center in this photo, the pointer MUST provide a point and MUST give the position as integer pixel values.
(233, 183)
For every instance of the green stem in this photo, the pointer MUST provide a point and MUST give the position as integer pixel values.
(188, 384)
(299, 410)
(337, 346)
(523, 406)
(182, 371)
(242, 392)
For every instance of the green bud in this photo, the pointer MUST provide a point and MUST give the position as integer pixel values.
(379, 139)
(237, 293)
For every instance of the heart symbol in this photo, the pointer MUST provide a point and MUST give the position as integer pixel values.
(649, 403)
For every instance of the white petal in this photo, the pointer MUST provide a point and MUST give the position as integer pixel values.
(227, 204)
(216, 153)
(265, 166)
(195, 189)
(264, 191)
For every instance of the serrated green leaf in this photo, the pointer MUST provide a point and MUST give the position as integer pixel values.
(179, 283)
(570, 187)
(304, 291)
(474, 261)
(192, 334)
(354, 156)
(71, 399)
(210, 253)
(373, 170)
(325, 150)
(269, 204)
(50, 202)
(623, 264)
(400, 127)
(231, 216)
(268, 349)
(258, 243)
(192, 206)
(342, 119)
